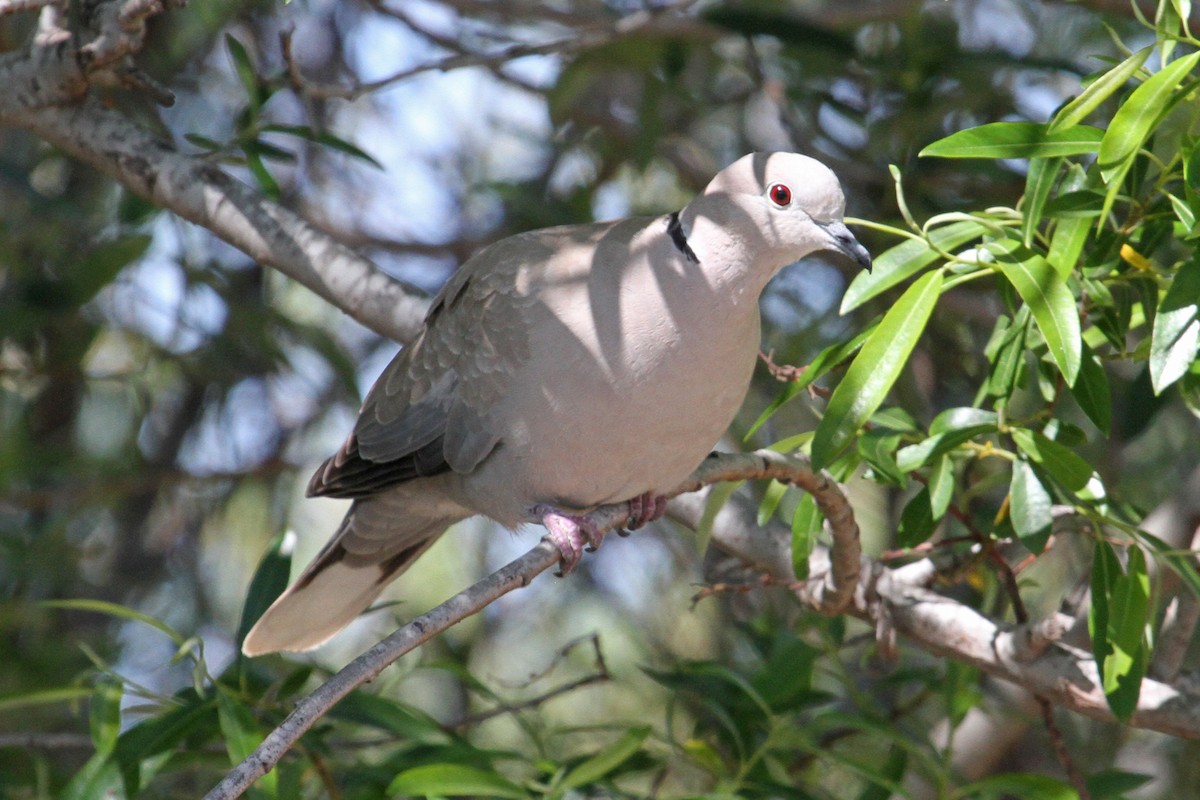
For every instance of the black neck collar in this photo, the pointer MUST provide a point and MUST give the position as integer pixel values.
(675, 231)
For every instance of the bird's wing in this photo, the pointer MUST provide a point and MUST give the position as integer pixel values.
(429, 412)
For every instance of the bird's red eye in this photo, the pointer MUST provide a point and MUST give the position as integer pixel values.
(780, 195)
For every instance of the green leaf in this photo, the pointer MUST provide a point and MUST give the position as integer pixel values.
(807, 524)
(158, 736)
(1061, 462)
(1098, 91)
(1091, 390)
(1006, 352)
(941, 485)
(44, 697)
(326, 139)
(1105, 569)
(1026, 786)
(1029, 507)
(1038, 183)
(432, 780)
(269, 581)
(104, 714)
(918, 455)
(878, 448)
(244, 68)
(947, 431)
(119, 611)
(1125, 666)
(875, 369)
(898, 263)
(388, 715)
(102, 264)
(766, 509)
(962, 418)
(241, 735)
(916, 521)
(1182, 563)
(892, 772)
(608, 759)
(1138, 116)
(1016, 140)
(827, 359)
(98, 779)
(1176, 333)
(1115, 783)
(1050, 300)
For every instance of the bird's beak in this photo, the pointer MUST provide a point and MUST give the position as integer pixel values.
(843, 241)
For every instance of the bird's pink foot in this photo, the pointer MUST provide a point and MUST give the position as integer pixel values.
(570, 535)
(645, 508)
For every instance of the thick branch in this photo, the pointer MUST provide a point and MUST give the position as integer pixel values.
(1062, 674)
(199, 191)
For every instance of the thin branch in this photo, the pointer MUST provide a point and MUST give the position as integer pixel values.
(669, 20)
(47, 741)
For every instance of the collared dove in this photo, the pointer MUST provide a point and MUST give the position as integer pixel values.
(559, 370)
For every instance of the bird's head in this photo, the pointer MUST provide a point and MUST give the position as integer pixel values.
(779, 206)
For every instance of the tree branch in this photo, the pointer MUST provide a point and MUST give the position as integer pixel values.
(198, 191)
(1024, 655)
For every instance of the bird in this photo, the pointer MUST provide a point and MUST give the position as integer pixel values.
(559, 370)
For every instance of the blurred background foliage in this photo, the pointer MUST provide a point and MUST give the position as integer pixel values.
(163, 399)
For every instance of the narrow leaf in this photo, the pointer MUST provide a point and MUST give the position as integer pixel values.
(1126, 664)
(269, 581)
(770, 502)
(104, 714)
(244, 68)
(1016, 140)
(1038, 183)
(906, 259)
(1029, 507)
(1176, 332)
(1092, 391)
(607, 760)
(807, 523)
(875, 369)
(119, 611)
(453, 780)
(941, 485)
(1138, 116)
(1098, 91)
(827, 359)
(916, 520)
(1050, 300)
(1063, 464)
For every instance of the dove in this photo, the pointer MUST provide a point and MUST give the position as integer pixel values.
(559, 370)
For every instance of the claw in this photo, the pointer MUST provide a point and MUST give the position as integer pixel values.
(645, 508)
(570, 535)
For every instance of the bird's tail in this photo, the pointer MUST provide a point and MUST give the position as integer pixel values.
(376, 542)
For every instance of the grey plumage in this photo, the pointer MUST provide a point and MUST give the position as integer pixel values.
(560, 369)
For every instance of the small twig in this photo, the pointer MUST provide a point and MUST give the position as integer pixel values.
(784, 373)
(533, 702)
(1060, 748)
(582, 38)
